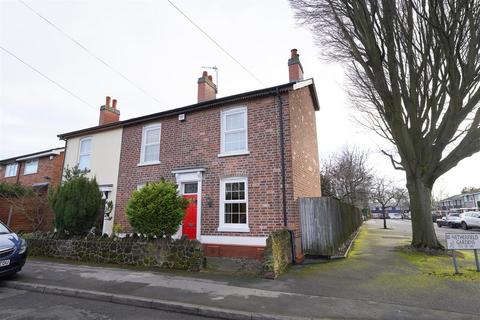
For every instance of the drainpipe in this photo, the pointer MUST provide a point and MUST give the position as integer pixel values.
(282, 171)
(282, 158)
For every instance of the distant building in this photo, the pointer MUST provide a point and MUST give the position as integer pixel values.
(392, 212)
(461, 201)
(40, 170)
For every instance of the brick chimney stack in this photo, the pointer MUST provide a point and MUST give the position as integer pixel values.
(109, 113)
(207, 90)
(295, 69)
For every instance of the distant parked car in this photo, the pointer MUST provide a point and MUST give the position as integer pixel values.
(13, 251)
(470, 220)
(436, 216)
(452, 220)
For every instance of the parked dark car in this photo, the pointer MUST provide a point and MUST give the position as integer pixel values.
(13, 251)
(436, 216)
(452, 220)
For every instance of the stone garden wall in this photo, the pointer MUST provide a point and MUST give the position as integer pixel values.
(138, 251)
(278, 253)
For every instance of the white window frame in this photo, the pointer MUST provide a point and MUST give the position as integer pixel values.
(85, 153)
(223, 133)
(144, 143)
(26, 165)
(7, 169)
(232, 227)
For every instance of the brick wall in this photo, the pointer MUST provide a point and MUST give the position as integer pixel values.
(196, 142)
(46, 168)
(305, 171)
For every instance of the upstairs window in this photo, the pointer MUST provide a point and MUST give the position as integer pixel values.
(85, 154)
(234, 131)
(31, 166)
(150, 153)
(11, 170)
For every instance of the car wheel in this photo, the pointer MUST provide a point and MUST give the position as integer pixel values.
(464, 226)
(439, 225)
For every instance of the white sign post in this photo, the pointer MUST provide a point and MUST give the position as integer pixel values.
(463, 241)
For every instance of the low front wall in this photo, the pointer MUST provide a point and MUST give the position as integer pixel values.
(278, 253)
(233, 251)
(179, 254)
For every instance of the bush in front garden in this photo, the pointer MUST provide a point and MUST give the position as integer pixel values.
(76, 203)
(156, 209)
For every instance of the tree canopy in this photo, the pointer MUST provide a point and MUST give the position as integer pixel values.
(414, 69)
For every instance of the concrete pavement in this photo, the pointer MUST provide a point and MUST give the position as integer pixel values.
(375, 282)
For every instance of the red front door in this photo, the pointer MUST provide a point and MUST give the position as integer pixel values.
(189, 227)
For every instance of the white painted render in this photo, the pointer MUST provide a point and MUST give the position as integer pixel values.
(104, 162)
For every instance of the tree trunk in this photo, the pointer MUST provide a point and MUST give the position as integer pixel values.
(423, 232)
(384, 217)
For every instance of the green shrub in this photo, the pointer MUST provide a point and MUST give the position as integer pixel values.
(76, 203)
(156, 209)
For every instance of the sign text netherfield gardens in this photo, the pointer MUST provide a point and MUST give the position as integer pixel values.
(462, 241)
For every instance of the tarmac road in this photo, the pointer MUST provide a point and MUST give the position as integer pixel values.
(24, 305)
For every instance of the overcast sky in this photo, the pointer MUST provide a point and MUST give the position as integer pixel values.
(162, 54)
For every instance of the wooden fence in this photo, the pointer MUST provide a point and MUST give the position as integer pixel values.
(327, 224)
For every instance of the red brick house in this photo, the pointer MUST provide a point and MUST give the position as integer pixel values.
(40, 170)
(245, 158)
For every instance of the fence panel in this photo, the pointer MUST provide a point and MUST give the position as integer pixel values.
(327, 224)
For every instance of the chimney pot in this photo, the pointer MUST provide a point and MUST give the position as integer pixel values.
(114, 103)
(210, 78)
(294, 53)
(107, 101)
(204, 74)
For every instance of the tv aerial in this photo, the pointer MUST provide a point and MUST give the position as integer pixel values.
(216, 73)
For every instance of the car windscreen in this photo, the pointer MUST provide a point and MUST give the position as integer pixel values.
(3, 229)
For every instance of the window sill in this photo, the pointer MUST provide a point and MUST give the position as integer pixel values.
(233, 229)
(28, 174)
(241, 153)
(148, 164)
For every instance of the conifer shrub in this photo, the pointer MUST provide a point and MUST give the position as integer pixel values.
(76, 203)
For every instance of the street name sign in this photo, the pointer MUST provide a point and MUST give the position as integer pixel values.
(463, 241)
